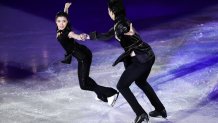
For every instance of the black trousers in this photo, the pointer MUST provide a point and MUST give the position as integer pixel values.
(84, 58)
(138, 72)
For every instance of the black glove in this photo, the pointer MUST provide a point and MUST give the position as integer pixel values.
(93, 35)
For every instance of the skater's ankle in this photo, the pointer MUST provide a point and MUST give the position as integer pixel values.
(157, 113)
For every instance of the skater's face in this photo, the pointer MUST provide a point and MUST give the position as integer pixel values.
(111, 14)
(61, 22)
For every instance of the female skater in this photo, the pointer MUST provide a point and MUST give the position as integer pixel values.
(83, 55)
(138, 59)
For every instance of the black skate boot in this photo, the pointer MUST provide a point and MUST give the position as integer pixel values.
(101, 98)
(156, 113)
(141, 118)
(110, 100)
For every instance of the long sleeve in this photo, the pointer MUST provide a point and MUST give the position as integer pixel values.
(102, 36)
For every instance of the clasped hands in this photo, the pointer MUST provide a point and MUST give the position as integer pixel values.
(84, 36)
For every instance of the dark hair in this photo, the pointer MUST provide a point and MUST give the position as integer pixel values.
(116, 6)
(62, 14)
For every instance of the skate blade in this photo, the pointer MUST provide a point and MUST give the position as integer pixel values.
(144, 121)
(114, 99)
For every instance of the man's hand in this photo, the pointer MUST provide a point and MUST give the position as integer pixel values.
(84, 36)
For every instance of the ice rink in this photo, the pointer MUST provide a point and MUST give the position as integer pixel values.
(36, 88)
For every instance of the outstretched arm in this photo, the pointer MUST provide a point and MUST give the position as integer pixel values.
(102, 36)
(66, 7)
(82, 36)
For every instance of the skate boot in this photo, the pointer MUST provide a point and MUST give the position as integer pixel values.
(141, 118)
(156, 113)
(101, 98)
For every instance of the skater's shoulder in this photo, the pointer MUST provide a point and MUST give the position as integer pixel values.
(122, 26)
(63, 33)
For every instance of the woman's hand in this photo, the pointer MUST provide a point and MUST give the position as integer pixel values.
(67, 5)
(131, 31)
(84, 36)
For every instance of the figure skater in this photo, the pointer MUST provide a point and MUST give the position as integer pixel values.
(138, 59)
(67, 37)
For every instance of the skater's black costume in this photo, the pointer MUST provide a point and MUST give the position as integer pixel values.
(138, 59)
(84, 58)
(137, 67)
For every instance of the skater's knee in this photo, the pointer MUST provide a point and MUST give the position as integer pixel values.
(122, 87)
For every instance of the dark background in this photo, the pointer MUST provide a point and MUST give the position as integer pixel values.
(87, 15)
